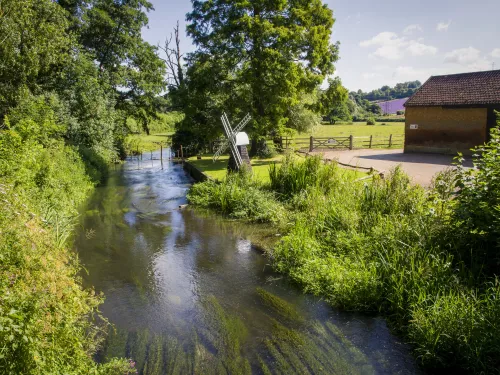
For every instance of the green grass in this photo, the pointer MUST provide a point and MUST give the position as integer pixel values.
(144, 143)
(260, 167)
(380, 245)
(218, 170)
(357, 129)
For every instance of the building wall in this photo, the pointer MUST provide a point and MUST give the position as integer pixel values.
(445, 130)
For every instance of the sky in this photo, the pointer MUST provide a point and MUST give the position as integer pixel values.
(385, 42)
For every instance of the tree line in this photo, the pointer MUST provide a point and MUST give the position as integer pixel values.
(88, 58)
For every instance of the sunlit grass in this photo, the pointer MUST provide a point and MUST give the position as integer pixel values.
(218, 169)
(143, 143)
(357, 129)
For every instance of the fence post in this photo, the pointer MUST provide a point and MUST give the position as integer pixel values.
(371, 139)
(161, 152)
(351, 142)
(311, 144)
(390, 141)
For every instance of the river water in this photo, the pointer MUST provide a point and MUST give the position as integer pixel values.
(189, 293)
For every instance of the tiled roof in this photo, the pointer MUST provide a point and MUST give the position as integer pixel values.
(459, 89)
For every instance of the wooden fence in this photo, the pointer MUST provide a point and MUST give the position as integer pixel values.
(341, 143)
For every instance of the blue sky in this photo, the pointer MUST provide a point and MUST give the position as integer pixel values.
(388, 41)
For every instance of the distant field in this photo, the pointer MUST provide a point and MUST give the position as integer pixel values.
(145, 142)
(358, 129)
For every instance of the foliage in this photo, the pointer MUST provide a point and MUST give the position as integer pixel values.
(33, 44)
(62, 121)
(259, 57)
(47, 318)
(293, 176)
(237, 197)
(400, 91)
(371, 121)
(333, 102)
(476, 214)
(301, 117)
(386, 245)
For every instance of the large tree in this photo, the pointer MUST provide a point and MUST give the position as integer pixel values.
(112, 35)
(272, 52)
(333, 101)
(33, 46)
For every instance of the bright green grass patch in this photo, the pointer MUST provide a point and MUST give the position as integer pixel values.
(358, 129)
(260, 167)
(138, 143)
(218, 170)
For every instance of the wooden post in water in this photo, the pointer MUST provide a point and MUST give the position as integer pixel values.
(371, 139)
(390, 141)
(161, 155)
(182, 154)
(351, 142)
(311, 144)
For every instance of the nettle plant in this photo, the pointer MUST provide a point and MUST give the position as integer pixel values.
(477, 210)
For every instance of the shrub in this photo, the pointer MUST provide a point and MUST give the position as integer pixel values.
(47, 319)
(477, 211)
(295, 175)
(237, 197)
(371, 121)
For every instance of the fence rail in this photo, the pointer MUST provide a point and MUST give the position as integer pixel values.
(340, 143)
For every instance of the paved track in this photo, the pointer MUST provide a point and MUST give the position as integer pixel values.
(420, 167)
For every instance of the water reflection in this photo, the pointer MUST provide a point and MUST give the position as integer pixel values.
(189, 293)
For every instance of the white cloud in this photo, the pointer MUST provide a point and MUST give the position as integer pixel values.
(496, 53)
(392, 47)
(463, 56)
(371, 75)
(388, 43)
(480, 64)
(382, 38)
(411, 28)
(470, 58)
(420, 49)
(443, 26)
(408, 73)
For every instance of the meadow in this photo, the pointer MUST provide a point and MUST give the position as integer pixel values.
(357, 129)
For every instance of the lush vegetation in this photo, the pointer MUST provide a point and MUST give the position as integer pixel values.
(263, 58)
(72, 73)
(400, 91)
(428, 262)
(48, 321)
(218, 169)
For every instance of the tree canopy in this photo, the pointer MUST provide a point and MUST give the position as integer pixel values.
(257, 56)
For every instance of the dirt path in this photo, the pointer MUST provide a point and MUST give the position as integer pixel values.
(420, 167)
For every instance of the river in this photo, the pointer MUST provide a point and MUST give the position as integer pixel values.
(190, 293)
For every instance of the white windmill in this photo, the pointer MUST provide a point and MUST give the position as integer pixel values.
(236, 141)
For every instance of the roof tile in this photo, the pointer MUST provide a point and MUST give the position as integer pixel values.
(459, 89)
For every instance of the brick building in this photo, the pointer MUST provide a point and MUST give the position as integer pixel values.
(452, 113)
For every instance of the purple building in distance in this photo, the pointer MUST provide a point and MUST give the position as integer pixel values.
(392, 106)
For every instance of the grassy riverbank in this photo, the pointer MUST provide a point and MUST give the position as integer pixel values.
(46, 317)
(383, 246)
(260, 168)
